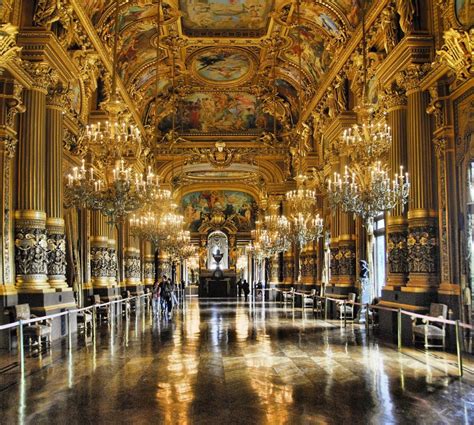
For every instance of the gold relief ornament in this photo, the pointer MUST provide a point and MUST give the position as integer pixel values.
(458, 52)
(9, 51)
(31, 251)
(42, 74)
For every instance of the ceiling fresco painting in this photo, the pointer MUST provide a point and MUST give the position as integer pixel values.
(315, 56)
(222, 66)
(215, 69)
(225, 16)
(218, 112)
(465, 12)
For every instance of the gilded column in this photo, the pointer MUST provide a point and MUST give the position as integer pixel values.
(422, 233)
(55, 104)
(397, 224)
(132, 261)
(148, 264)
(113, 257)
(10, 105)
(99, 256)
(31, 255)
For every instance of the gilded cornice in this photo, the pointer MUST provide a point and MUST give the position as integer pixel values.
(413, 49)
(40, 45)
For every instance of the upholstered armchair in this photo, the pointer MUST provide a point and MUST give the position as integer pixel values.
(289, 295)
(36, 330)
(84, 318)
(103, 312)
(347, 311)
(433, 334)
(308, 299)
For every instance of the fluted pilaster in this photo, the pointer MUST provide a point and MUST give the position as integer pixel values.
(422, 234)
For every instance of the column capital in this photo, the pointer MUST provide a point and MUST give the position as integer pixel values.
(394, 97)
(410, 79)
(8, 145)
(440, 144)
(42, 74)
(58, 96)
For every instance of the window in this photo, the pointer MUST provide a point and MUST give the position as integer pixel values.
(379, 254)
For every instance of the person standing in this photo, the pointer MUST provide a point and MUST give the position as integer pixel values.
(165, 295)
(239, 287)
(246, 289)
(155, 301)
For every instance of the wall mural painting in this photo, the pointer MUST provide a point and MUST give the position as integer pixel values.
(316, 59)
(465, 12)
(320, 16)
(225, 14)
(219, 112)
(238, 206)
(221, 65)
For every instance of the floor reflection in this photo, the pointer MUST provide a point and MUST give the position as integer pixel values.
(222, 362)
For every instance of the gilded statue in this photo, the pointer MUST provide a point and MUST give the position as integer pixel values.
(389, 29)
(406, 9)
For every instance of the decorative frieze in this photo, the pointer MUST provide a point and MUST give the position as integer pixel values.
(100, 261)
(397, 252)
(31, 251)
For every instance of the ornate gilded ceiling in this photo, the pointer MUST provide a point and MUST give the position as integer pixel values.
(222, 59)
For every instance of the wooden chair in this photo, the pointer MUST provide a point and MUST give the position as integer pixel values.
(84, 318)
(289, 295)
(36, 330)
(433, 331)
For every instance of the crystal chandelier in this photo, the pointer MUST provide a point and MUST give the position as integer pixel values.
(368, 192)
(278, 229)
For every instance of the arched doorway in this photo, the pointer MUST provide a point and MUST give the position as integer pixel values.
(217, 240)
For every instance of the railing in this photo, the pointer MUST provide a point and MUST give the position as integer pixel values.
(458, 325)
(92, 309)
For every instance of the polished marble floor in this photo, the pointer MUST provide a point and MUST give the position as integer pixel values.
(225, 362)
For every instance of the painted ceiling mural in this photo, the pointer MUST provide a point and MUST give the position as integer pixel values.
(240, 207)
(223, 54)
(225, 16)
(219, 112)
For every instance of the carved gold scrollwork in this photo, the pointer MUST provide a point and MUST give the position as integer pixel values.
(458, 52)
(9, 51)
(42, 74)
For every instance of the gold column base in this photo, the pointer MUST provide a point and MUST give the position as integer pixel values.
(100, 282)
(395, 280)
(58, 282)
(422, 280)
(8, 289)
(148, 281)
(449, 289)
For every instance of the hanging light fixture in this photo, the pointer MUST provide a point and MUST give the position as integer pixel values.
(116, 145)
(366, 189)
(305, 224)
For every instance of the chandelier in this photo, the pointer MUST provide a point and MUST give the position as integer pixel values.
(368, 192)
(278, 229)
(116, 148)
(178, 245)
(366, 189)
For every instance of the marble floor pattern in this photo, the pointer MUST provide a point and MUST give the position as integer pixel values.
(228, 362)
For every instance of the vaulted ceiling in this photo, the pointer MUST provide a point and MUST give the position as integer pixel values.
(219, 55)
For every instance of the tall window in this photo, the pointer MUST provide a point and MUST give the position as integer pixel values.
(379, 254)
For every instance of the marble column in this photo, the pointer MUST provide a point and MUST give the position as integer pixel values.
(55, 104)
(397, 224)
(422, 241)
(31, 246)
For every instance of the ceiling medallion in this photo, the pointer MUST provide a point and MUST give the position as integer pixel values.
(222, 66)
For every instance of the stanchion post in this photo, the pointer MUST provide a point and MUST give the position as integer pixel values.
(459, 349)
(21, 347)
(69, 331)
(344, 304)
(325, 309)
(367, 316)
(94, 319)
(399, 328)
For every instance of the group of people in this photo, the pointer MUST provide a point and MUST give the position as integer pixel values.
(164, 297)
(243, 286)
